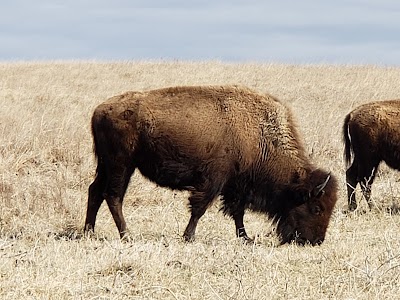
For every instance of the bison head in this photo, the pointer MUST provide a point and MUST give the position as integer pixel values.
(310, 207)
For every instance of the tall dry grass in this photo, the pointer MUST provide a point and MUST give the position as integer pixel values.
(46, 165)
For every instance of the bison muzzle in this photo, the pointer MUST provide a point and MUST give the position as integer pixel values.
(222, 141)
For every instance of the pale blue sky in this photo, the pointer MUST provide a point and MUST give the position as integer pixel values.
(307, 31)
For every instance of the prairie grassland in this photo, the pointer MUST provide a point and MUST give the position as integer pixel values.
(46, 166)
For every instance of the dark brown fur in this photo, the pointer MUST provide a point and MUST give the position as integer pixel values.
(371, 132)
(211, 141)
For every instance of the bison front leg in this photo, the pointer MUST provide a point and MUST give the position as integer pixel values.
(199, 202)
(190, 230)
(240, 230)
(234, 202)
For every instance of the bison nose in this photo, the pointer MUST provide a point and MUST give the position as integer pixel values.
(318, 242)
(300, 241)
(303, 241)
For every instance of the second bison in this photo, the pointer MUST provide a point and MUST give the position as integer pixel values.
(212, 141)
(371, 132)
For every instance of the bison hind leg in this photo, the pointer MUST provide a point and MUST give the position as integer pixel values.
(351, 183)
(114, 194)
(366, 184)
(366, 175)
(95, 198)
(111, 183)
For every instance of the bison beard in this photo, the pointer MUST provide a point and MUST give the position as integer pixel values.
(211, 141)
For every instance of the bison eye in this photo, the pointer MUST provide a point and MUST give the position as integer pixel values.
(316, 210)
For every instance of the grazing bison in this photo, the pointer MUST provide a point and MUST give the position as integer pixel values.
(211, 141)
(372, 134)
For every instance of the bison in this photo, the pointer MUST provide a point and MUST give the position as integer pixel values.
(212, 141)
(371, 134)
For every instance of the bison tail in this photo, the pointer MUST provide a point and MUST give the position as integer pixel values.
(347, 141)
(99, 140)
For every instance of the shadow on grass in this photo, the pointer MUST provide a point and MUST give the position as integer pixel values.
(67, 235)
(357, 212)
(74, 233)
(393, 209)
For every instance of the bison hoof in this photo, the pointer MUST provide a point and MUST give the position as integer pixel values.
(88, 228)
(88, 231)
(125, 237)
(188, 238)
(246, 240)
(352, 207)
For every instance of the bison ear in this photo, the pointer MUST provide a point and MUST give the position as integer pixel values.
(318, 191)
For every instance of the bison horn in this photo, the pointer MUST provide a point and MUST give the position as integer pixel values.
(320, 188)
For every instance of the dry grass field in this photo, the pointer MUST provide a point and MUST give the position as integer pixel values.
(47, 164)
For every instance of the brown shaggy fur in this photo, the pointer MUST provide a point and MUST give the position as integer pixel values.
(212, 141)
(372, 134)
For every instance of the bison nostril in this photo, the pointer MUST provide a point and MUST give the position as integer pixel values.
(318, 242)
(303, 241)
(300, 241)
